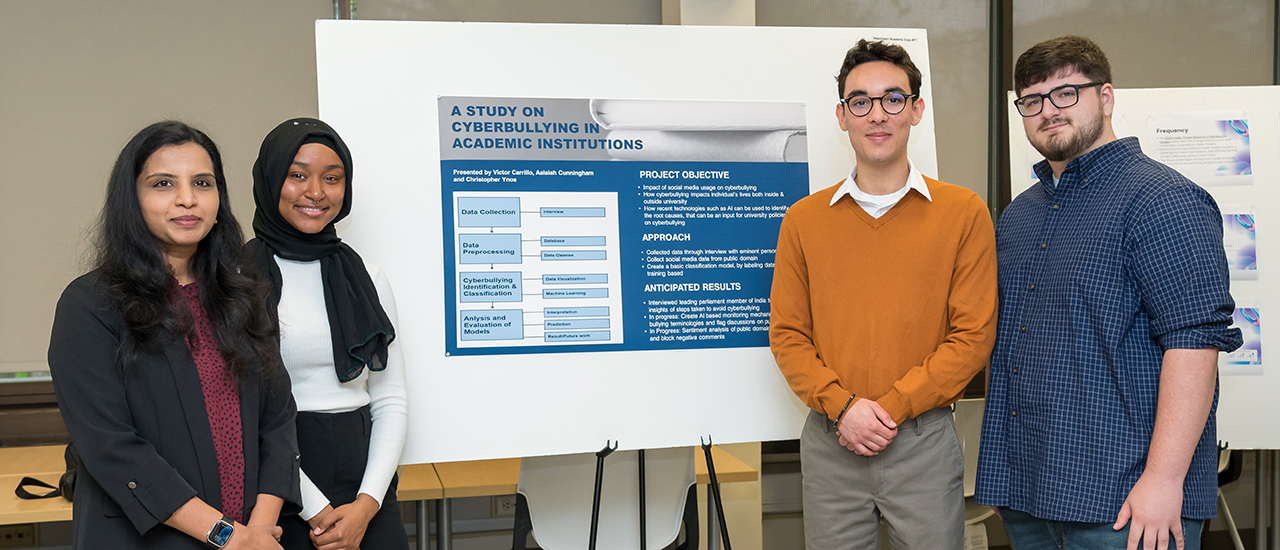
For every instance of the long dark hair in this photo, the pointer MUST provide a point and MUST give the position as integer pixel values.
(140, 282)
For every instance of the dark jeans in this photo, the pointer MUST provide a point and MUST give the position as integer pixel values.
(335, 449)
(1028, 532)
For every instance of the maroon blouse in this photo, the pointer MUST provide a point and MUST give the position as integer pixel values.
(221, 403)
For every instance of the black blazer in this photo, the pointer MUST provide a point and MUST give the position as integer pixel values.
(144, 438)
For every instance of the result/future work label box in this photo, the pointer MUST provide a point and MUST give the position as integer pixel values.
(488, 211)
(489, 248)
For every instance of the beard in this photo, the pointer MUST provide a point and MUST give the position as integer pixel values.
(1059, 148)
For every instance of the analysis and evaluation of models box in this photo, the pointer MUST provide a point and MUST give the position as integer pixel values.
(604, 249)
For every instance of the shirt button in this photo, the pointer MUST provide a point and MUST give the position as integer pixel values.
(1033, 286)
(1044, 245)
(1015, 370)
(1024, 328)
(133, 485)
(1055, 207)
(1015, 413)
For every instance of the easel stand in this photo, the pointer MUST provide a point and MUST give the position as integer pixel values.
(640, 467)
(595, 502)
(714, 502)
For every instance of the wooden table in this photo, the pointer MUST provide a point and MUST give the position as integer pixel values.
(418, 482)
(479, 478)
(45, 463)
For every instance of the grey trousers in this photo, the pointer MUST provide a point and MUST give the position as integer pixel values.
(916, 484)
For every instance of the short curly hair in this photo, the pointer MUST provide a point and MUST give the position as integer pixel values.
(866, 52)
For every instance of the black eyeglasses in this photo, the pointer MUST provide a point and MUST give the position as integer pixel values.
(892, 103)
(1062, 97)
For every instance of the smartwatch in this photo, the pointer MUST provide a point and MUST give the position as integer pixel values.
(220, 533)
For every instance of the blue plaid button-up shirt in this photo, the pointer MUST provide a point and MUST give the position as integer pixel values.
(1099, 275)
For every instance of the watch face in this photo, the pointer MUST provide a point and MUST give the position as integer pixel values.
(221, 534)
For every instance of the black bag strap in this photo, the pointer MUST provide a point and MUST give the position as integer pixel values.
(22, 492)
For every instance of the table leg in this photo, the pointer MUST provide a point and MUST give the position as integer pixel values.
(1260, 500)
(444, 526)
(1275, 499)
(422, 527)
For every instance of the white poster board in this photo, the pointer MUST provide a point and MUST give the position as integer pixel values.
(1234, 154)
(382, 85)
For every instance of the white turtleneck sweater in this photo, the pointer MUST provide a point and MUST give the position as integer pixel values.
(307, 349)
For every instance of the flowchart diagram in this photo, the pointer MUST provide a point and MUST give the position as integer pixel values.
(536, 268)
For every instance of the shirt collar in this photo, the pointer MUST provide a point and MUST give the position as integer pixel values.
(915, 180)
(1085, 166)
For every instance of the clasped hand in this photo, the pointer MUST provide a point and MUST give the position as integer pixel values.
(343, 528)
(866, 428)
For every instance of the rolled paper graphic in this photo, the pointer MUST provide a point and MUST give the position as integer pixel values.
(776, 146)
(683, 115)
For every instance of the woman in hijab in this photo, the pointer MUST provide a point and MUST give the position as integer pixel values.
(165, 365)
(336, 315)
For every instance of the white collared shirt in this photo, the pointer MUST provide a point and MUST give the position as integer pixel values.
(877, 205)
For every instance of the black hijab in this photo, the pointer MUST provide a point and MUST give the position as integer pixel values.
(360, 328)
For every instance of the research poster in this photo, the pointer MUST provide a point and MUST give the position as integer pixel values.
(576, 224)
(1210, 147)
(1240, 240)
(1247, 360)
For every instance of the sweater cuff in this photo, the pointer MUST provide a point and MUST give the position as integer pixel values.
(896, 405)
(833, 401)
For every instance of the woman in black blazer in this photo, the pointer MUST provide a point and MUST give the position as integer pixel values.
(166, 365)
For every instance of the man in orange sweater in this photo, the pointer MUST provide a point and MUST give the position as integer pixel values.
(883, 309)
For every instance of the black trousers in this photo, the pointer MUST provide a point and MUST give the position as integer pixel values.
(335, 449)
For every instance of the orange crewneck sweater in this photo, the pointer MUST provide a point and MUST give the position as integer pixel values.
(900, 309)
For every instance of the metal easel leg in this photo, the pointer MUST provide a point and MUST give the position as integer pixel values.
(595, 504)
(644, 544)
(712, 542)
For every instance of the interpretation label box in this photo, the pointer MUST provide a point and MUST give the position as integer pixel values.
(602, 311)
